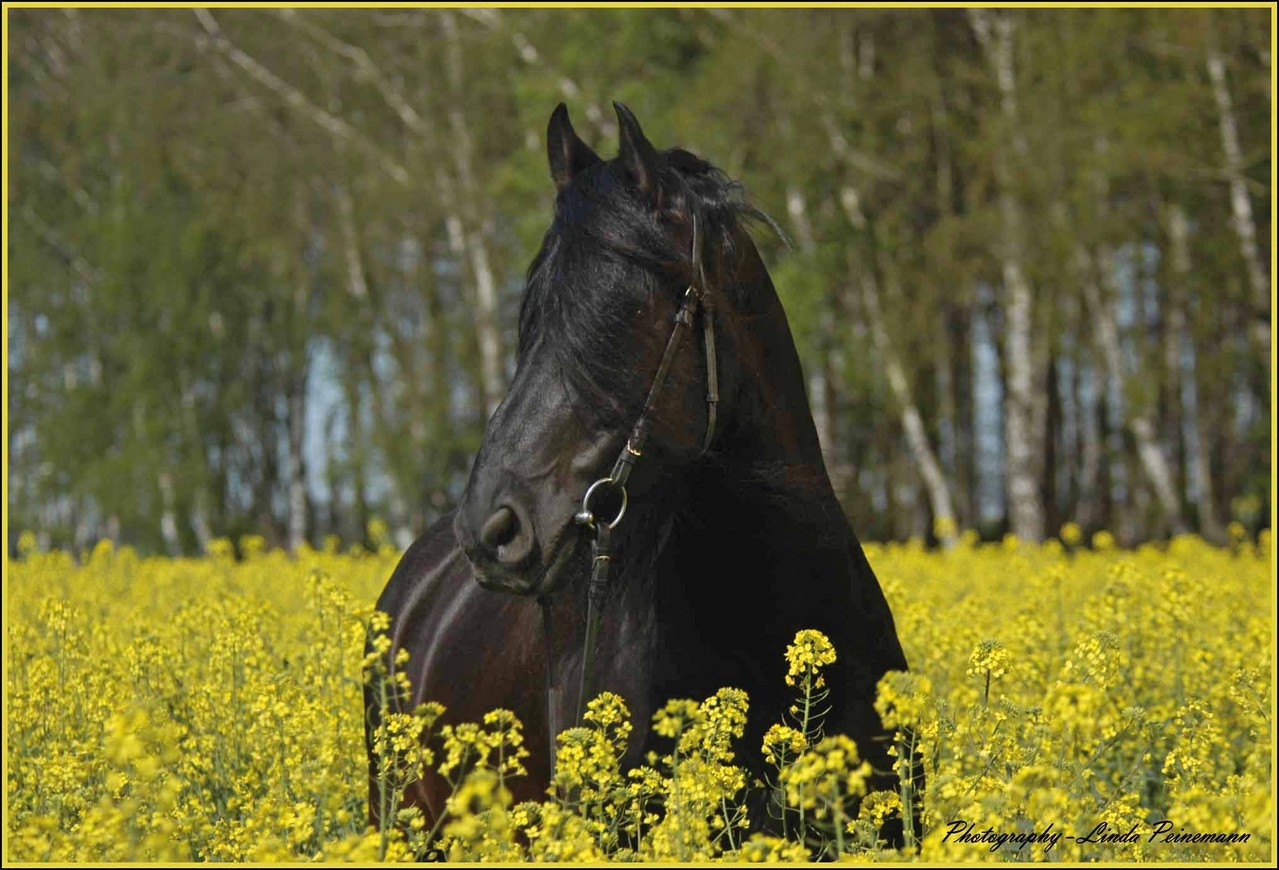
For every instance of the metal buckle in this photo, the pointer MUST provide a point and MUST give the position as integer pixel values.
(586, 516)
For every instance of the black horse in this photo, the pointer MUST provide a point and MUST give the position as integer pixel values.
(730, 543)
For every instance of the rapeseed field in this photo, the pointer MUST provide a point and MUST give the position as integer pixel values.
(1068, 701)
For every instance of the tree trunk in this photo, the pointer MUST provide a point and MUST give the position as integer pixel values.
(1111, 451)
(1023, 420)
(1090, 513)
(475, 229)
(1172, 323)
(82, 535)
(1052, 430)
(332, 473)
(1139, 420)
(357, 284)
(357, 518)
(200, 519)
(944, 385)
(912, 423)
(297, 465)
(169, 515)
(1241, 203)
(1199, 470)
(954, 372)
(293, 366)
(960, 326)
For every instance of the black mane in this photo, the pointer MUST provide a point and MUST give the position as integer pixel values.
(606, 247)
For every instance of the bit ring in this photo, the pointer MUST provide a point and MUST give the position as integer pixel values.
(587, 516)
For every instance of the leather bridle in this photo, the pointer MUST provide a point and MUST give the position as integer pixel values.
(696, 296)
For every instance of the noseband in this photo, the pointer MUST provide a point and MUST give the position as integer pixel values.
(697, 295)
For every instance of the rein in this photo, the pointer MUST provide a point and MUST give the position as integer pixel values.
(697, 295)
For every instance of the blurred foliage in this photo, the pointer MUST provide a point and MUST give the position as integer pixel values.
(245, 246)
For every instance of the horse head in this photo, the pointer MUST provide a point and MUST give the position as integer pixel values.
(631, 238)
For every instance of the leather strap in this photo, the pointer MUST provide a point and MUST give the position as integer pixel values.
(696, 296)
(552, 726)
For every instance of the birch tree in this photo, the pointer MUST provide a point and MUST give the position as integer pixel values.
(1240, 200)
(1023, 402)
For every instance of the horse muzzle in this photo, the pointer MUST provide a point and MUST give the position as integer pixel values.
(502, 562)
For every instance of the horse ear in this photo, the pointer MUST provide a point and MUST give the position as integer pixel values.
(636, 153)
(568, 155)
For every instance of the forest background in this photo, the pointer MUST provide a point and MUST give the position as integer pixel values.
(264, 265)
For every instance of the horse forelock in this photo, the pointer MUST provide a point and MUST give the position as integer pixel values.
(607, 247)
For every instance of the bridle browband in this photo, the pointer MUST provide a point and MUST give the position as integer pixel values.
(696, 296)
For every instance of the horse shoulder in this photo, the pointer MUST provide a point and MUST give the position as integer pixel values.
(454, 630)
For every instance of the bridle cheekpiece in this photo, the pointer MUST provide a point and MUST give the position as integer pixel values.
(696, 296)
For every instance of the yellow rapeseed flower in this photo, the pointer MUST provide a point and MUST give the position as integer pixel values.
(210, 709)
(807, 654)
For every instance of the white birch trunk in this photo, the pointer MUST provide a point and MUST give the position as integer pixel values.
(1024, 411)
(1241, 204)
(488, 333)
(356, 282)
(200, 520)
(486, 323)
(912, 422)
(297, 467)
(169, 515)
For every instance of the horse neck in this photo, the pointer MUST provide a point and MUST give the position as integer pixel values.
(770, 442)
(763, 498)
(724, 563)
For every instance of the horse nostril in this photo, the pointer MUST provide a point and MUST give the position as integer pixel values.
(499, 529)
